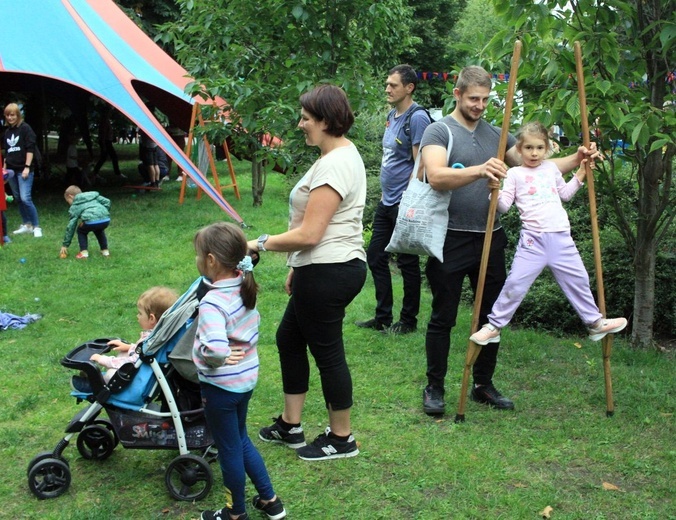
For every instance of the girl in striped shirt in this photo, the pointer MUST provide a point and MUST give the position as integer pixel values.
(227, 363)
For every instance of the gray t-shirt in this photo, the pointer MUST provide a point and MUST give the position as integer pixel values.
(468, 209)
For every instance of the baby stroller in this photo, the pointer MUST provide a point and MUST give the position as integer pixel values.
(153, 403)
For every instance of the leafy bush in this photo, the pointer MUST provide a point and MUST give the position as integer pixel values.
(368, 138)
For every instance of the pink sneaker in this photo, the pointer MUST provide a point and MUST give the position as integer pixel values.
(487, 334)
(604, 327)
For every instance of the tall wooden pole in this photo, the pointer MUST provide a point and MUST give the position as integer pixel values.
(472, 348)
(607, 342)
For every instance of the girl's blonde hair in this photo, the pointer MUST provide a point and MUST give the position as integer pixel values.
(536, 129)
(227, 243)
(156, 300)
(13, 108)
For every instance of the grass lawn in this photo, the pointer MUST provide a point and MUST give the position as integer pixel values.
(556, 449)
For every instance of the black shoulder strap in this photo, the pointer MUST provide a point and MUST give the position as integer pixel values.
(407, 122)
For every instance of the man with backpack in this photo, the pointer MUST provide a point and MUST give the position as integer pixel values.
(404, 129)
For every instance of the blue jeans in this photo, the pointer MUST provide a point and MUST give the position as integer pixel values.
(21, 188)
(314, 320)
(379, 262)
(226, 416)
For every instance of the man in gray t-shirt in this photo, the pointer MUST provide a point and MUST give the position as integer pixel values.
(475, 147)
(404, 129)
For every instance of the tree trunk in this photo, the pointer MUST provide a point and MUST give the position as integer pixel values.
(644, 294)
(649, 176)
(258, 180)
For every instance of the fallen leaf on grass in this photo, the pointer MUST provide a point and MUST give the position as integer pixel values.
(578, 345)
(520, 485)
(610, 487)
(546, 512)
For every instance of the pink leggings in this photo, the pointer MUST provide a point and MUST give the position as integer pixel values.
(537, 250)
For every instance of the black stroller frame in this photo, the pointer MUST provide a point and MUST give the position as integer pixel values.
(151, 404)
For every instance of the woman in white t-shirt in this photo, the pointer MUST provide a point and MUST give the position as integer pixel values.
(328, 269)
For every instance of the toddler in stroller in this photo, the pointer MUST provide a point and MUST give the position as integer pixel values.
(152, 403)
(151, 306)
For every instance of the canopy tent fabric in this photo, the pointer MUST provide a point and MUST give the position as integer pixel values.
(92, 45)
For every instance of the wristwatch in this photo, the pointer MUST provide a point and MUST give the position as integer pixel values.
(261, 242)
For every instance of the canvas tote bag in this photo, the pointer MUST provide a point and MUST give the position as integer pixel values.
(422, 219)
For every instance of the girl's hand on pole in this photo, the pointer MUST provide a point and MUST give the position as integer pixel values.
(588, 153)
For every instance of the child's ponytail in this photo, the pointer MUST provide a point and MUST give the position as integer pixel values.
(249, 290)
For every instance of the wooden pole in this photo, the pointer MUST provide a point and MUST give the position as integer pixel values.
(188, 151)
(472, 348)
(607, 342)
(197, 116)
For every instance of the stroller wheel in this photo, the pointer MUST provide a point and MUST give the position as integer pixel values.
(188, 478)
(95, 442)
(109, 426)
(42, 456)
(49, 478)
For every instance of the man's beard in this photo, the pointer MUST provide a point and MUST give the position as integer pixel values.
(469, 116)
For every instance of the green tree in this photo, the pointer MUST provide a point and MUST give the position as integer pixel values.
(432, 24)
(467, 41)
(629, 61)
(260, 56)
(148, 14)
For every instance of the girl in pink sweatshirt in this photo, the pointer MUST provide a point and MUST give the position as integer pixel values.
(537, 188)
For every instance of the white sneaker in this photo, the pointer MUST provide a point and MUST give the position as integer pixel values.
(37, 232)
(487, 334)
(23, 228)
(604, 327)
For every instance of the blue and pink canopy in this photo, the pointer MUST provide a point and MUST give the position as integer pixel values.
(94, 46)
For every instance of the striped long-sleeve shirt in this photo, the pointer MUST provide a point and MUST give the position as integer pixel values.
(224, 322)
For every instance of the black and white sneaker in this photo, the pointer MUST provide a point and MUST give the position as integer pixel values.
(293, 438)
(325, 448)
(274, 509)
(221, 514)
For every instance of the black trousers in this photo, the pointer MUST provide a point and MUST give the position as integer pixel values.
(462, 258)
(99, 232)
(379, 263)
(314, 320)
(107, 150)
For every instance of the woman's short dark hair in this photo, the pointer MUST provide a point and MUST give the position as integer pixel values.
(329, 103)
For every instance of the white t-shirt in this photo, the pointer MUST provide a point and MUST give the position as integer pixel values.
(343, 170)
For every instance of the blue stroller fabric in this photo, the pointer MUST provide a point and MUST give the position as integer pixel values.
(11, 321)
